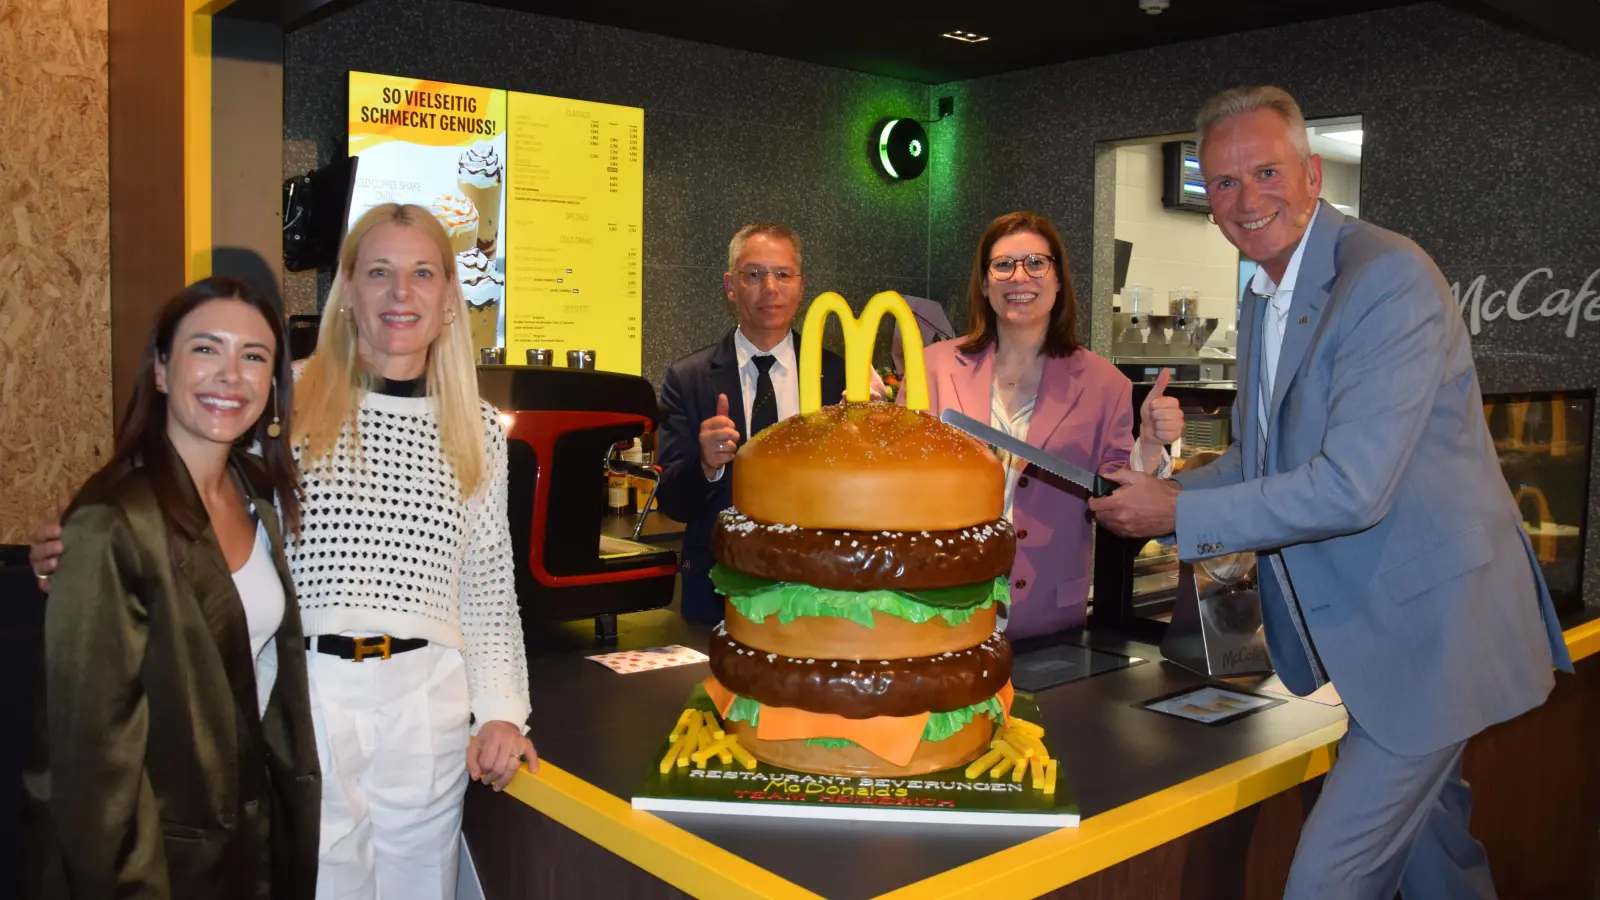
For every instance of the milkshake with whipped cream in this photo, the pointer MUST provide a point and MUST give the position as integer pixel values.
(483, 288)
(460, 219)
(482, 177)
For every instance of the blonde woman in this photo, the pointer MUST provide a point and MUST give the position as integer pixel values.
(402, 564)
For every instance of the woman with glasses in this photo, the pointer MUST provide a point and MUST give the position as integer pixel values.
(1020, 368)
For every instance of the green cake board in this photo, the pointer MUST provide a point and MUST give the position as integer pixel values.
(948, 797)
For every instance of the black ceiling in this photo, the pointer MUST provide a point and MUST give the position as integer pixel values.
(902, 39)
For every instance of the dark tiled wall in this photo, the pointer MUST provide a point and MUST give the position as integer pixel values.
(1482, 144)
(730, 137)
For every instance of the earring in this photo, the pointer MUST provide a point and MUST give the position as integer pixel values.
(274, 429)
(452, 319)
(1211, 218)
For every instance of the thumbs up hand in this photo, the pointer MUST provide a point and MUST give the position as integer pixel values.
(1160, 418)
(719, 439)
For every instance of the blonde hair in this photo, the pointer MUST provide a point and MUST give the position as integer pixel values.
(1241, 100)
(335, 380)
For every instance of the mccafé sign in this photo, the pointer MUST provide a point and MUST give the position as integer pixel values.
(1534, 296)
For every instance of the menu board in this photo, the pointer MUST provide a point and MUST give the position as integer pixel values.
(543, 200)
(441, 146)
(575, 207)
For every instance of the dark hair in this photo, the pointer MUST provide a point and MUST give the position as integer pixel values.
(143, 435)
(1061, 336)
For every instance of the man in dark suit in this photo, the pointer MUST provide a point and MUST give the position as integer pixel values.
(717, 396)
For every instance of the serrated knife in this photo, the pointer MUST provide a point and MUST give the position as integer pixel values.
(1096, 485)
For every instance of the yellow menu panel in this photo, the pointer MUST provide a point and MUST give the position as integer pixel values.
(574, 217)
(440, 146)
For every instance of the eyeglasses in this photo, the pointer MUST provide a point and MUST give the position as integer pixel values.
(1036, 265)
(753, 277)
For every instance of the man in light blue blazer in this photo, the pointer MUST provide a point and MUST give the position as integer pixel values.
(1391, 557)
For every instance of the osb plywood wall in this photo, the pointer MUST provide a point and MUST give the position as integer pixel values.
(55, 329)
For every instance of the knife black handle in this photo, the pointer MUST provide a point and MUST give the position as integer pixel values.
(1103, 486)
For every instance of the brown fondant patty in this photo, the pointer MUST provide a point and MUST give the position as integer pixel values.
(863, 560)
(863, 688)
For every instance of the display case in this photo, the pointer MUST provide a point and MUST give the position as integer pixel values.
(1544, 441)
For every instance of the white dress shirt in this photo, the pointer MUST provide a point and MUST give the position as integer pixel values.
(1279, 297)
(785, 375)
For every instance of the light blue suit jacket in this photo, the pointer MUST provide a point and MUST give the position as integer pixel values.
(1383, 494)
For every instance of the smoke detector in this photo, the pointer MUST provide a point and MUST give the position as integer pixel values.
(1154, 7)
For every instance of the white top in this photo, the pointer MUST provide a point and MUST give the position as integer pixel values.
(261, 592)
(388, 546)
(785, 375)
(1015, 425)
(1277, 317)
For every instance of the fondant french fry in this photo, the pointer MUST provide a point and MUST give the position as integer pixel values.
(1023, 725)
(984, 762)
(1036, 768)
(725, 756)
(690, 742)
(1001, 768)
(1031, 746)
(1006, 749)
(681, 726)
(711, 724)
(715, 748)
(1019, 771)
(1050, 777)
(741, 754)
(671, 756)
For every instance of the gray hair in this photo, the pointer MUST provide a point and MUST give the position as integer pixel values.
(771, 229)
(1241, 100)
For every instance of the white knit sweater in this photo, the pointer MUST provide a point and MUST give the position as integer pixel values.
(387, 546)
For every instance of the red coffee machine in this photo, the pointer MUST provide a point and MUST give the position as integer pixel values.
(561, 425)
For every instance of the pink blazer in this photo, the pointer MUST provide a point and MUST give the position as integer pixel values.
(1083, 413)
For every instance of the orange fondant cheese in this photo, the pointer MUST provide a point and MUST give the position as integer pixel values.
(721, 697)
(892, 738)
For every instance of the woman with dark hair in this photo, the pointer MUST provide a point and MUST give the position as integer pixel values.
(176, 756)
(1021, 369)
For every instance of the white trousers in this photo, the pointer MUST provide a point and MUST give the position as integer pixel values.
(392, 740)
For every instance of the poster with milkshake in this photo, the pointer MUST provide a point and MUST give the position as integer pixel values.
(441, 146)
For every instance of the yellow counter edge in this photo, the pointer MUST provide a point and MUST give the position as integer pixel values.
(666, 851)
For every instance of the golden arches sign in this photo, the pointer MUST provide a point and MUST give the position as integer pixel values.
(858, 340)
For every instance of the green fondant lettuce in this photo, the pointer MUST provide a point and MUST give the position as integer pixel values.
(757, 598)
(940, 724)
(829, 743)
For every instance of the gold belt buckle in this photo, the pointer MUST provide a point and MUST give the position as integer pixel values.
(379, 647)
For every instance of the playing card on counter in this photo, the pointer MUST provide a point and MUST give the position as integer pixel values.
(644, 660)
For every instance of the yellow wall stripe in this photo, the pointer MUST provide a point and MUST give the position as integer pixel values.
(666, 851)
(197, 138)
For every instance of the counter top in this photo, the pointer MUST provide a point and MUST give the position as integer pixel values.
(1141, 779)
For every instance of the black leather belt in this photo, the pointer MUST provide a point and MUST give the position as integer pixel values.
(362, 648)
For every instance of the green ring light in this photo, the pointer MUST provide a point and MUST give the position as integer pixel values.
(902, 149)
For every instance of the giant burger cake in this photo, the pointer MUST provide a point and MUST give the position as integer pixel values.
(864, 562)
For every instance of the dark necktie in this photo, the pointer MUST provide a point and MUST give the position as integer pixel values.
(764, 411)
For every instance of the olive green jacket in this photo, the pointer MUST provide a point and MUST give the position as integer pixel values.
(153, 772)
